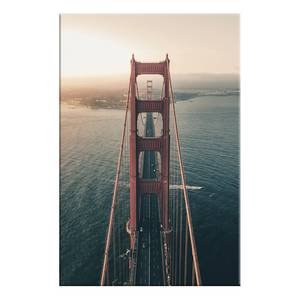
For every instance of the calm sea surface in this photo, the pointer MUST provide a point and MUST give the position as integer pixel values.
(209, 131)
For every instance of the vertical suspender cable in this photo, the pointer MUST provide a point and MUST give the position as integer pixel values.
(176, 243)
(174, 209)
(176, 220)
(185, 250)
(180, 240)
(119, 234)
(113, 205)
(126, 213)
(171, 215)
(187, 206)
(173, 230)
(121, 222)
(114, 248)
(170, 221)
(123, 212)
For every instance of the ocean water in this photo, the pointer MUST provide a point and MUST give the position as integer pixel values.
(209, 131)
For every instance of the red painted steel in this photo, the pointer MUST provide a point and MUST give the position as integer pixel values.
(133, 155)
(149, 186)
(150, 68)
(159, 186)
(152, 144)
(166, 149)
(150, 106)
(137, 144)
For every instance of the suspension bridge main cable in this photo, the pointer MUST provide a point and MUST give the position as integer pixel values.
(187, 206)
(113, 205)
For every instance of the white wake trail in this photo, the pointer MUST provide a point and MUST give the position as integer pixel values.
(188, 187)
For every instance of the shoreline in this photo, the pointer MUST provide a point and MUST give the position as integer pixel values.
(74, 106)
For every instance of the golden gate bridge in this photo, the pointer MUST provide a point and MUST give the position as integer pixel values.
(150, 239)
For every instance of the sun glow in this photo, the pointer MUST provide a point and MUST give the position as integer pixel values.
(93, 45)
(94, 55)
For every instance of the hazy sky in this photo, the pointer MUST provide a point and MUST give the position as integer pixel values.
(94, 45)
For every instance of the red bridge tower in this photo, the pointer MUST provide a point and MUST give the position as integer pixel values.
(139, 186)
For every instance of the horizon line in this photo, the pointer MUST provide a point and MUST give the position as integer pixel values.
(126, 74)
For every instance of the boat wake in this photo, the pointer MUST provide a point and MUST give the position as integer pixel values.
(188, 187)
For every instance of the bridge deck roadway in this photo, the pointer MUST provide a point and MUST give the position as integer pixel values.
(149, 258)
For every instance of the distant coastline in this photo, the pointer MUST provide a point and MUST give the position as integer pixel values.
(117, 100)
(111, 91)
